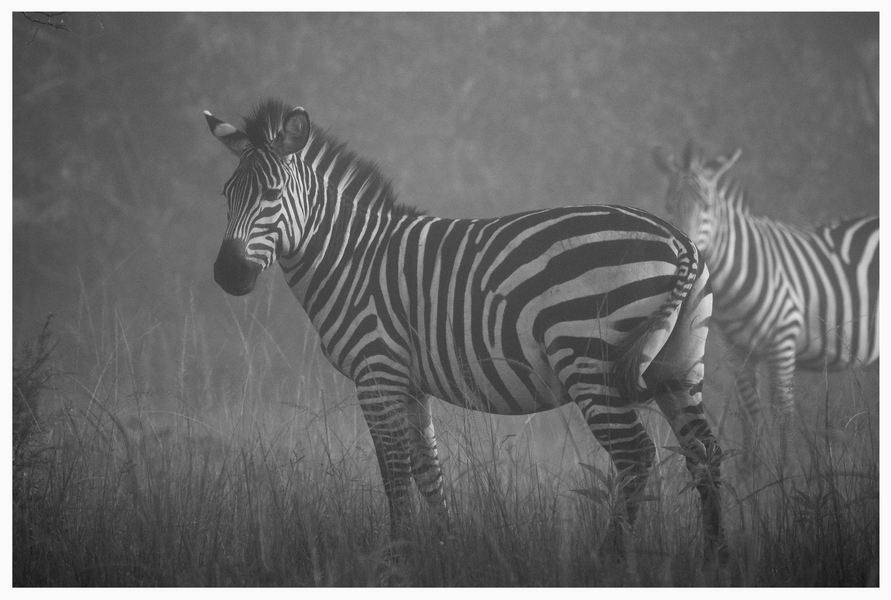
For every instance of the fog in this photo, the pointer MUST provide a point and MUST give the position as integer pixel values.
(117, 214)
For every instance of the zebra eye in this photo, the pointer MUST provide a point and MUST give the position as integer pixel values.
(271, 194)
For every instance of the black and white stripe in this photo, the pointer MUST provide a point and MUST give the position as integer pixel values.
(787, 297)
(603, 306)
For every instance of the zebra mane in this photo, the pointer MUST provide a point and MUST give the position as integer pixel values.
(341, 168)
(265, 122)
(727, 186)
(734, 193)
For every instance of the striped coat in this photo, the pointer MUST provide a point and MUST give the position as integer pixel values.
(601, 306)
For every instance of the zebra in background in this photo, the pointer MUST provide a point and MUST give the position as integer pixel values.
(784, 296)
(603, 306)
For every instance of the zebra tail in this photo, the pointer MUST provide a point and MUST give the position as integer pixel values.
(644, 341)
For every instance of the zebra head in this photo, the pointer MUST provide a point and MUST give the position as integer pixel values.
(263, 217)
(693, 190)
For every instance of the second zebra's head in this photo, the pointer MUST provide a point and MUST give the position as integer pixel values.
(265, 211)
(693, 194)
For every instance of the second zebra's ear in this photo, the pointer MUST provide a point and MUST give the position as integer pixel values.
(726, 161)
(233, 139)
(294, 134)
(665, 161)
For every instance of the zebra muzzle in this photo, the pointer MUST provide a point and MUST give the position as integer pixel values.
(233, 271)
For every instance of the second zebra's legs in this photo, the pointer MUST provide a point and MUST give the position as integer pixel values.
(781, 364)
(747, 395)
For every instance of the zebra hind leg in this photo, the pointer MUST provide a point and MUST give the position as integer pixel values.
(617, 426)
(680, 402)
(676, 378)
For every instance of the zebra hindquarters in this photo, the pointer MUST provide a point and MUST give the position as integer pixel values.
(676, 378)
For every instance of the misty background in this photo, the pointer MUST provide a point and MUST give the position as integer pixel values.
(117, 213)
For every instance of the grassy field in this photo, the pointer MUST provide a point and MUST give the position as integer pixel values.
(145, 458)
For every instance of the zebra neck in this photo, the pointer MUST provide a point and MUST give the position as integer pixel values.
(731, 218)
(351, 211)
(341, 238)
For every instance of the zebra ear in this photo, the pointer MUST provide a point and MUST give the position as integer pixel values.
(665, 161)
(294, 134)
(726, 161)
(235, 140)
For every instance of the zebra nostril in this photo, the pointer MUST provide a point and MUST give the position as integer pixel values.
(232, 271)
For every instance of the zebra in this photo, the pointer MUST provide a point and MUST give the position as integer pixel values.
(603, 306)
(783, 296)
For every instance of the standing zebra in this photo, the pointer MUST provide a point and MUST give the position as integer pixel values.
(782, 295)
(603, 306)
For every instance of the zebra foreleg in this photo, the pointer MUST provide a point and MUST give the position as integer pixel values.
(425, 467)
(782, 387)
(390, 431)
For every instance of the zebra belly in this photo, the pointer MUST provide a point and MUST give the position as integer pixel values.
(503, 385)
(526, 374)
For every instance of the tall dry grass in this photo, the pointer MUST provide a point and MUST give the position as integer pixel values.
(159, 457)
